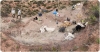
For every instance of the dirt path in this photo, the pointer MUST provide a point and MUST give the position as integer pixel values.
(31, 35)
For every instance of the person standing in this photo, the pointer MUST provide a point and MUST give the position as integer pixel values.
(19, 14)
(73, 7)
(13, 12)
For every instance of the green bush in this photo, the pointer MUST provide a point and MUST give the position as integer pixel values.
(98, 40)
(96, 14)
(92, 19)
(54, 49)
(95, 10)
(40, 48)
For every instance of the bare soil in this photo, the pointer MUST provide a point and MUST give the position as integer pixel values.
(26, 36)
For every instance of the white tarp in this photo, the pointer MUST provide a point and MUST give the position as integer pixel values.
(70, 36)
(45, 28)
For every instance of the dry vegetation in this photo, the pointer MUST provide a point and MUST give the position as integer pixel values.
(88, 39)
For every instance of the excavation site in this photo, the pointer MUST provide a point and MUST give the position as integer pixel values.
(49, 25)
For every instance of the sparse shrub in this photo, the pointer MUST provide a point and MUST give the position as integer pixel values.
(55, 5)
(10, 2)
(84, 48)
(95, 11)
(39, 3)
(33, 13)
(29, 12)
(92, 19)
(40, 48)
(31, 49)
(52, 1)
(49, 1)
(3, 39)
(98, 40)
(18, 5)
(85, 3)
(16, 0)
(7, 45)
(60, 3)
(54, 49)
(47, 11)
(43, 4)
(34, 2)
(74, 2)
(5, 10)
(62, 7)
(17, 47)
(96, 14)
(36, 11)
(48, 7)
(29, 4)
(75, 48)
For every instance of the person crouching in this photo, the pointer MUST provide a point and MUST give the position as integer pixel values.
(19, 14)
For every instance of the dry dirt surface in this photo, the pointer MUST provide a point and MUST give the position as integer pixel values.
(31, 35)
(26, 35)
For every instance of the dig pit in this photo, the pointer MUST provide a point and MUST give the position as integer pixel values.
(30, 34)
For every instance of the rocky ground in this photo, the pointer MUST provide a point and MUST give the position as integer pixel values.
(27, 37)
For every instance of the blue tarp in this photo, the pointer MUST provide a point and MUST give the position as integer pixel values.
(55, 12)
